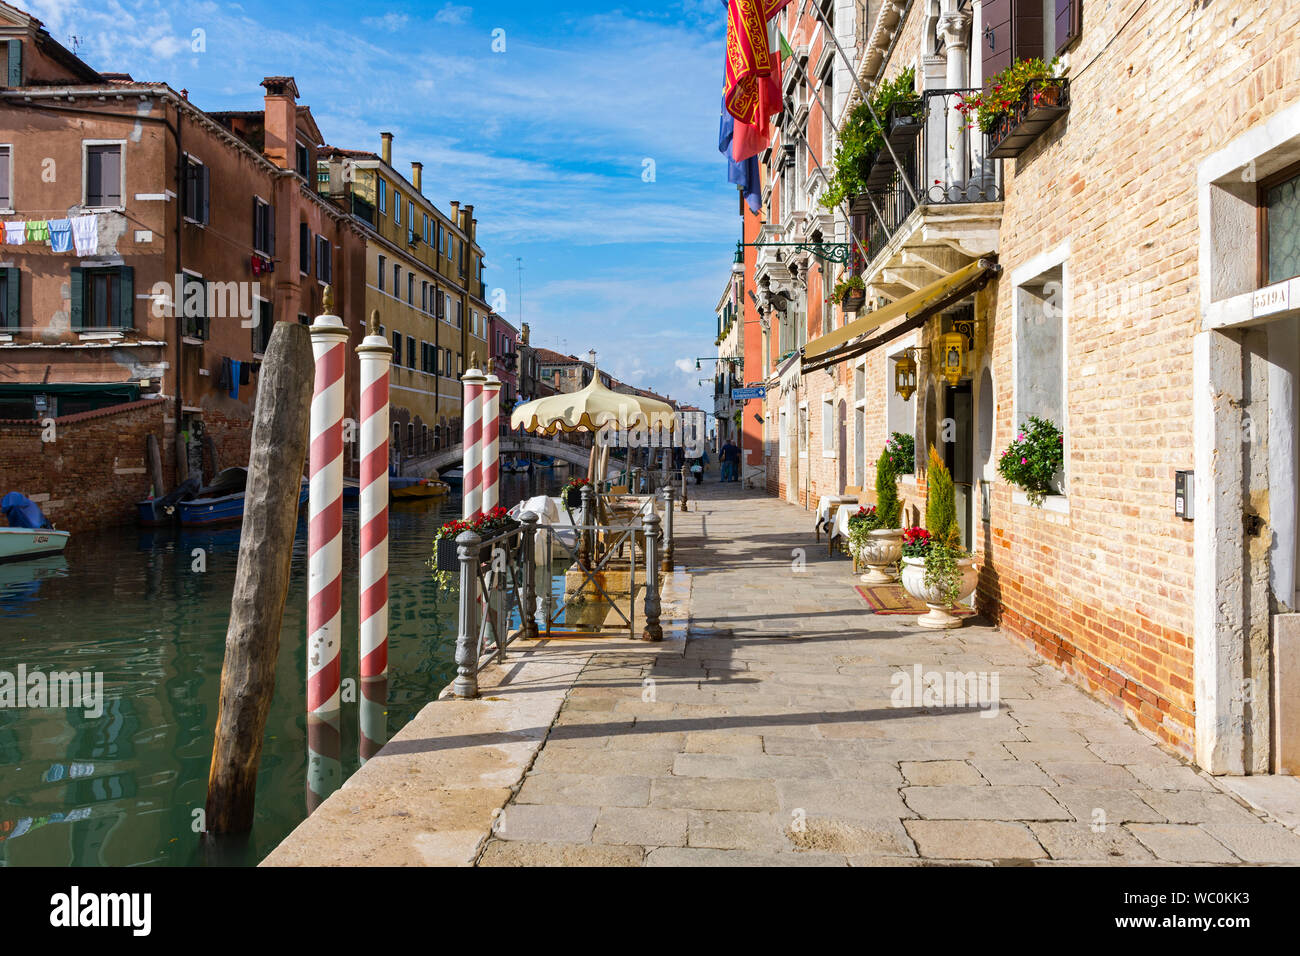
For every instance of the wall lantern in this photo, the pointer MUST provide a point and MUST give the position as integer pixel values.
(952, 356)
(905, 374)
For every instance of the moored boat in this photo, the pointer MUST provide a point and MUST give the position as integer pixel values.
(155, 512)
(223, 500)
(30, 534)
(402, 487)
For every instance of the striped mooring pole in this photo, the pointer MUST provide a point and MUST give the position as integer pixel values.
(491, 441)
(472, 475)
(325, 508)
(375, 356)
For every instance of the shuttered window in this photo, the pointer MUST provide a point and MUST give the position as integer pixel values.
(195, 194)
(6, 169)
(1017, 30)
(10, 287)
(102, 298)
(1069, 22)
(104, 175)
(265, 326)
(324, 260)
(263, 227)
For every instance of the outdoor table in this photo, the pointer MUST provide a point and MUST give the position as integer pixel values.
(839, 525)
(826, 505)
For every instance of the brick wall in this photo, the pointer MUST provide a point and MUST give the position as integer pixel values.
(95, 469)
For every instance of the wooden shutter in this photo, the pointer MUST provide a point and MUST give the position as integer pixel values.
(15, 62)
(126, 297)
(995, 40)
(111, 167)
(257, 223)
(1027, 30)
(270, 230)
(203, 194)
(12, 279)
(1069, 22)
(77, 300)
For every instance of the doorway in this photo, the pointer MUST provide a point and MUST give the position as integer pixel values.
(955, 433)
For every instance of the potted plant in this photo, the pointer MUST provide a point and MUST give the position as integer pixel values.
(490, 524)
(1035, 459)
(850, 293)
(571, 493)
(1028, 94)
(862, 141)
(878, 544)
(936, 569)
(902, 451)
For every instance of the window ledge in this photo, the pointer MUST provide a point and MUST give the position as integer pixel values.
(106, 335)
(103, 209)
(1059, 504)
(6, 337)
(195, 222)
(191, 340)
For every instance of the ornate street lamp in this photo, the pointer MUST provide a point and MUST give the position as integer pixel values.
(905, 374)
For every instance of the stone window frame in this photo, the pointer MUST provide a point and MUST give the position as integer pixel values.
(1025, 274)
(828, 431)
(8, 209)
(85, 172)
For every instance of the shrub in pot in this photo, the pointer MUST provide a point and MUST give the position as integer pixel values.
(879, 545)
(1034, 459)
(936, 568)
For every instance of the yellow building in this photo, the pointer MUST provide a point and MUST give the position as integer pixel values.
(424, 275)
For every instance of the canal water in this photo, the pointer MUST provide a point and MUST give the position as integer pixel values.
(149, 611)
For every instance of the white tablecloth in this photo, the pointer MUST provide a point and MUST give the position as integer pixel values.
(825, 508)
(840, 524)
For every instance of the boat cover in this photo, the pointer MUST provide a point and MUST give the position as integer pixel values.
(21, 512)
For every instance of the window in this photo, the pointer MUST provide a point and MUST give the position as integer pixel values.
(324, 260)
(382, 268)
(397, 280)
(10, 286)
(194, 307)
(103, 298)
(104, 174)
(397, 348)
(265, 326)
(783, 441)
(410, 288)
(446, 355)
(424, 296)
(1039, 340)
(304, 249)
(382, 190)
(803, 430)
(302, 160)
(410, 351)
(1280, 226)
(6, 178)
(195, 196)
(397, 208)
(263, 227)
(828, 429)
(426, 228)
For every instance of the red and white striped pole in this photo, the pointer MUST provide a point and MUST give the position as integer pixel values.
(375, 358)
(325, 507)
(472, 476)
(491, 440)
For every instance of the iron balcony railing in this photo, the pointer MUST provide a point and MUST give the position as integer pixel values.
(944, 159)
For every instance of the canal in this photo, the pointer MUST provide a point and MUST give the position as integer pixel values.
(149, 611)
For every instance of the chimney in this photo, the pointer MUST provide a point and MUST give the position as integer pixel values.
(469, 221)
(455, 214)
(417, 176)
(280, 120)
(386, 148)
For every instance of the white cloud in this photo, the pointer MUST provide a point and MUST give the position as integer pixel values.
(685, 365)
(392, 21)
(452, 15)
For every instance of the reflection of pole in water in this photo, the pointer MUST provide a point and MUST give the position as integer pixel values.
(374, 716)
(324, 767)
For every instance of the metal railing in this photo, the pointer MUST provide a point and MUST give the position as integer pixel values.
(946, 164)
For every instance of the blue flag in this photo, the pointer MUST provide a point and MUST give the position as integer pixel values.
(743, 174)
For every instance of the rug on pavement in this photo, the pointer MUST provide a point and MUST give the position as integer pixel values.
(892, 599)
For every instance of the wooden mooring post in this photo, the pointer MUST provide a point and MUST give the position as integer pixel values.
(279, 448)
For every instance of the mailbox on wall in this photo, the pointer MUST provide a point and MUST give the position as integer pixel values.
(1183, 506)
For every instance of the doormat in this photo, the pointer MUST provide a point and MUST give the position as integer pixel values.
(892, 599)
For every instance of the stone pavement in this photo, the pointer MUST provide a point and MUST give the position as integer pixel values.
(774, 734)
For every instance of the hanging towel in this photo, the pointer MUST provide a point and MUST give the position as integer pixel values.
(234, 378)
(85, 235)
(223, 380)
(15, 233)
(61, 235)
(38, 230)
(244, 369)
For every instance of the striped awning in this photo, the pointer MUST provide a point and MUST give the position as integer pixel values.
(855, 338)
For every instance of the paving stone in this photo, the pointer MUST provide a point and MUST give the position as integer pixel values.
(1086, 841)
(1093, 773)
(540, 823)
(585, 790)
(701, 793)
(846, 799)
(1129, 749)
(984, 803)
(1092, 805)
(702, 856)
(501, 853)
(1181, 843)
(641, 826)
(643, 763)
(721, 742)
(822, 835)
(974, 840)
(735, 830)
(1173, 776)
(1012, 773)
(932, 773)
(1052, 751)
(1197, 806)
(1257, 842)
(757, 766)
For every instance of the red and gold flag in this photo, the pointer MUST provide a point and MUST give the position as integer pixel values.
(753, 87)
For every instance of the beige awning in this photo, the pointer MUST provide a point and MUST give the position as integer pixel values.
(917, 306)
(591, 409)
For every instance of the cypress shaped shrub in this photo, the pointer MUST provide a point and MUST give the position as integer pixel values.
(940, 508)
(888, 508)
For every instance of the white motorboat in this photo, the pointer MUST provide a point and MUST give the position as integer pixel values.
(19, 544)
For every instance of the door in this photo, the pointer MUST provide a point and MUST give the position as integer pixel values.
(955, 433)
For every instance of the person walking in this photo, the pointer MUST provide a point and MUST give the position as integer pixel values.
(730, 458)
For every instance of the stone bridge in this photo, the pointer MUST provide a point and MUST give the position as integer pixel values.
(513, 446)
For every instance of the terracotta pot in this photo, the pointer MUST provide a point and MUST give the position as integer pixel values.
(939, 616)
(880, 553)
(853, 300)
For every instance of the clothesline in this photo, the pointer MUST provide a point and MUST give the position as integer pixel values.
(61, 235)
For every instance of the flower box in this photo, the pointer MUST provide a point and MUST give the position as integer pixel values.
(854, 300)
(448, 555)
(877, 170)
(1041, 103)
(905, 121)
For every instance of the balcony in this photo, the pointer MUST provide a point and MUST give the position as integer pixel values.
(958, 207)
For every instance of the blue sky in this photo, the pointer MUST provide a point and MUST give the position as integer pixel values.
(549, 139)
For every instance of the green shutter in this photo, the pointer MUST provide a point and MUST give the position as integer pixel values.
(15, 62)
(270, 231)
(77, 300)
(203, 196)
(126, 297)
(12, 279)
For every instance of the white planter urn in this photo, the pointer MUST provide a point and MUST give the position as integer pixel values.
(881, 553)
(939, 616)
